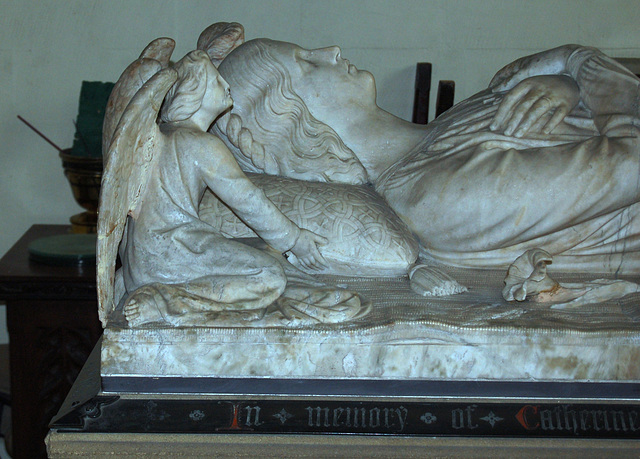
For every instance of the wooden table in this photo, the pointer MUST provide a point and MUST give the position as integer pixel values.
(53, 326)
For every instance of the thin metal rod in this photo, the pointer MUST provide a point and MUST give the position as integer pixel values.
(40, 133)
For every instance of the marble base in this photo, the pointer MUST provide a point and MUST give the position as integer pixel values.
(562, 419)
(472, 336)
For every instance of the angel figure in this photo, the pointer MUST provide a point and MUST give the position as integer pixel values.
(177, 269)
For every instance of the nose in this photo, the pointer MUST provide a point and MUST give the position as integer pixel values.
(331, 53)
(334, 52)
(224, 83)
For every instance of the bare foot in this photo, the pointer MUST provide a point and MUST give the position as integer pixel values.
(429, 281)
(143, 308)
(162, 304)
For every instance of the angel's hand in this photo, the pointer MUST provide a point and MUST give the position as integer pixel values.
(536, 105)
(306, 250)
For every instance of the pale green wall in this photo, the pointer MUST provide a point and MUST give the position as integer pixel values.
(48, 47)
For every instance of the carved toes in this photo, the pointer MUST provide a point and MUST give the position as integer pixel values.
(429, 281)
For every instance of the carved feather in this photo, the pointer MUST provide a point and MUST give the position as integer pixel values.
(129, 160)
(219, 39)
(152, 59)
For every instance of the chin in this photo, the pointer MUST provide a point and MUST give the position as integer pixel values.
(225, 106)
(368, 83)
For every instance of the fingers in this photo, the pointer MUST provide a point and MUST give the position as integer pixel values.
(537, 104)
(556, 119)
(312, 263)
(503, 115)
(315, 260)
(530, 118)
(303, 262)
(519, 114)
(523, 116)
(534, 120)
(307, 252)
(321, 240)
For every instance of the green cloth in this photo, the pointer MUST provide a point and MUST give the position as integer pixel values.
(93, 101)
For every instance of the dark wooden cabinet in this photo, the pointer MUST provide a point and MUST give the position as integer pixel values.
(53, 326)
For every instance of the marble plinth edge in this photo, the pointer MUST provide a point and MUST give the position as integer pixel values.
(474, 336)
(399, 351)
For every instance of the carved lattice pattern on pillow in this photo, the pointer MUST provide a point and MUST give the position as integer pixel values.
(365, 236)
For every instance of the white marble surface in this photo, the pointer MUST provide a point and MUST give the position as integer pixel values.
(177, 269)
(545, 157)
(476, 335)
(405, 352)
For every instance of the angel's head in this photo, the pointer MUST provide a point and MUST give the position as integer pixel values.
(199, 89)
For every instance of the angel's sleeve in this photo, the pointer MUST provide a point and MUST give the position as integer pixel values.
(223, 176)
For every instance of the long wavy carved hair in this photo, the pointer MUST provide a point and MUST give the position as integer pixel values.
(186, 95)
(270, 129)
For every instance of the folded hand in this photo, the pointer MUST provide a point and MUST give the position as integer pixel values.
(536, 105)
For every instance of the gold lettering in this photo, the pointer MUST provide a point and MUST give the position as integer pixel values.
(253, 416)
(546, 420)
(374, 417)
(337, 412)
(619, 416)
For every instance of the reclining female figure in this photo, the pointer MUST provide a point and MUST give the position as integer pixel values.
(547, 156)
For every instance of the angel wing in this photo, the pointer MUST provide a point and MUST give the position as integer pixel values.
(219, 39)
(129, 160)
(152, 59)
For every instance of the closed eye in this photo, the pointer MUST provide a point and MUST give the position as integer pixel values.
(307, 65)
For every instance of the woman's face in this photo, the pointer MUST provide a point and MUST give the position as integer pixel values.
(334, 90)
(217, 97)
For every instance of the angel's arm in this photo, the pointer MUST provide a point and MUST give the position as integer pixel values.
(223, 176)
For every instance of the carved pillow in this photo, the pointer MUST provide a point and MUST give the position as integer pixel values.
(366, 238)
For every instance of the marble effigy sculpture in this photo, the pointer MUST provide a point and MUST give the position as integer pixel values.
(543, 163)
(528, 161)
(176, 268)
